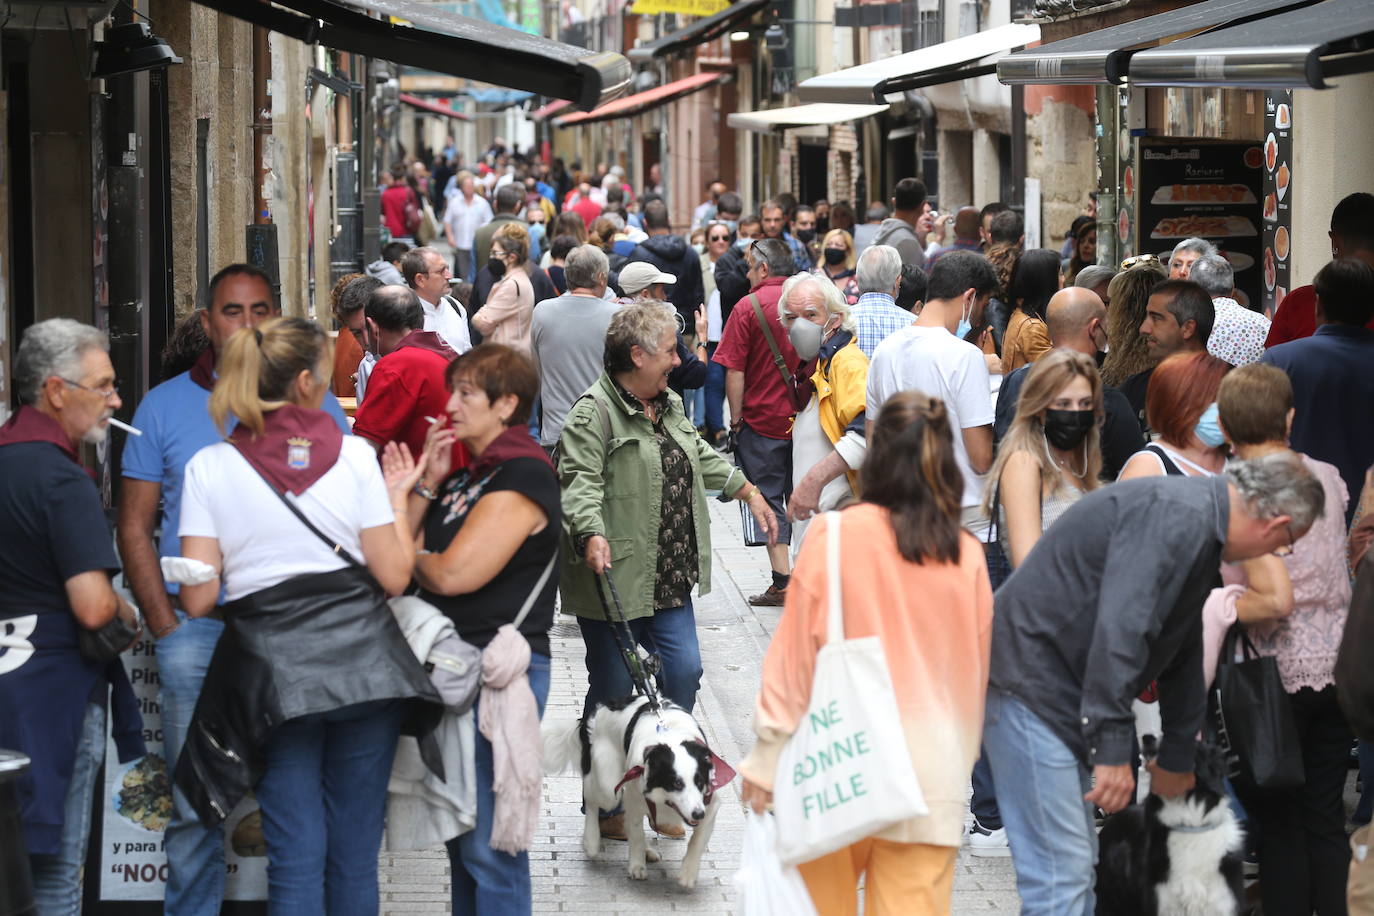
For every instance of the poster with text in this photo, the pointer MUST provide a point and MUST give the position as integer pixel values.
(1278, 198)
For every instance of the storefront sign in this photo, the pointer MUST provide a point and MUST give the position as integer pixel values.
(681, 7)
(1278, 198)
(1195, 189)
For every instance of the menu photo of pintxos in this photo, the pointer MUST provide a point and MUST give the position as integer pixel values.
(1202, 193)
(1210, 227)
(1277, 226)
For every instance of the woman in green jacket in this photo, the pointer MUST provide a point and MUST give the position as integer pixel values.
(634, 475)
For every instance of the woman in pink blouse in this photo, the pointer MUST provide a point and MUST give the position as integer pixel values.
(1303, 854)
(509, 310)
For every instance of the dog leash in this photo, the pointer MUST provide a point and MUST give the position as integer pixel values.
(642, 673)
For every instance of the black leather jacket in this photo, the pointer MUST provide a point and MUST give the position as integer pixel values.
(311, 644)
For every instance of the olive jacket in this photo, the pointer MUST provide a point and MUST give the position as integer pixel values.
(612, 479)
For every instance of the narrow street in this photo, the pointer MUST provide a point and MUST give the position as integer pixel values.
(733, 639)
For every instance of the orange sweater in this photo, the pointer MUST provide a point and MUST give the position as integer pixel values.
(935, 623)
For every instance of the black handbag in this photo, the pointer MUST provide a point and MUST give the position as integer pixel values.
(108, 642)
(1254, 719)
(1354, 674)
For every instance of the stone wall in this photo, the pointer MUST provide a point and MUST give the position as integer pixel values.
(1060, 151)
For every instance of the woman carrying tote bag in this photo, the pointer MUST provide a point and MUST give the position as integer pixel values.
(919, 585)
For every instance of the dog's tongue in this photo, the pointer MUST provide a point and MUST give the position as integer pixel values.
(721, 773)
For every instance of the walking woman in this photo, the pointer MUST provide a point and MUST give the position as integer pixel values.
(837, 263)
(307, 691)
(915, 580)
(491, 546)
(509, 310)
(1034, 280)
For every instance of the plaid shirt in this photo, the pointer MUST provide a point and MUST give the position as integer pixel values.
(876, 315)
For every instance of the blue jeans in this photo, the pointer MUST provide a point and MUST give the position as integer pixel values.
(1040, 789)
(694, 405)
(1364, 811)
(195, 853)
(323, 800)
(485, 881)
(670, 633)
(714, 392)
(57, 878)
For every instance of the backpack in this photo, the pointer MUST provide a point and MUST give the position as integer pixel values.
(413, 215)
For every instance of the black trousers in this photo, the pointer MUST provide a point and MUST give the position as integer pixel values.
(1304, 856)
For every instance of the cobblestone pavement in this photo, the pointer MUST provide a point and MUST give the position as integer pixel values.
(733, 638)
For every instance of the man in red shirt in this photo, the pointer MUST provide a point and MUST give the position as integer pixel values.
(407, 386)
(583, 205)
(1352, 236)
(761, 406)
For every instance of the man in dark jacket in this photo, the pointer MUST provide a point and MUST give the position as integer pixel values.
(671, 254)
(732, 271)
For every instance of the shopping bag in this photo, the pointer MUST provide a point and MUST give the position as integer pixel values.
(845, 773)
(766, 886)
(1254, 718)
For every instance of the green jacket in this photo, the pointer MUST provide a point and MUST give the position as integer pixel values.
(613, 486)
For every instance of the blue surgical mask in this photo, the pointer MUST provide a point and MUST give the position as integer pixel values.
(742, 243)
(964, 326)
(1208, 429)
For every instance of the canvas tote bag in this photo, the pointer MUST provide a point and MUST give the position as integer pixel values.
(845, 773)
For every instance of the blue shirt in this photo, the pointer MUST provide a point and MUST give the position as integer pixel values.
(175, 419)
(1333, 399)
(876, 315)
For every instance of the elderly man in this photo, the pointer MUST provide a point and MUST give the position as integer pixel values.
(1096, 277)
(1237, 332)
(1110, 600)
(1185, 253)
(465, 213)
(876, 314)
(1178, 319)
(56, 560)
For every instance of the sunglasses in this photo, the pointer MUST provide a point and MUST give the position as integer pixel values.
(1137, 260)
(719, 238)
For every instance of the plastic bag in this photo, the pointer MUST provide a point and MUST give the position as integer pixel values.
(766, 886)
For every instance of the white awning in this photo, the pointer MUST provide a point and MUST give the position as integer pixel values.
(821, 113)
(951, 61)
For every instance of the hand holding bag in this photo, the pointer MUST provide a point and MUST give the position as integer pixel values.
(845, 773)
(1254, 718)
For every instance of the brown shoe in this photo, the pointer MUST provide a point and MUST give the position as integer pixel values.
(613, 827)
(773, 597)
(671, 831)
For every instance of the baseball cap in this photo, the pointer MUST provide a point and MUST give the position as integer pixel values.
(638, 276)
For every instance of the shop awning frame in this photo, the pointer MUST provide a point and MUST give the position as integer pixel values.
(548, 110)
(947, 62)
(1103, 57)
(631, 105)
(813, 115)
(445, 43)
(1298, 49)
(707, 28)
(414, 101)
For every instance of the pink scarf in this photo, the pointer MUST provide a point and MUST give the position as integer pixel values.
(508, 717)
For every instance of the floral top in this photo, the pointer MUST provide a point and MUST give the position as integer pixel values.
(1305, 642)
(676, 575)
(1237, 333)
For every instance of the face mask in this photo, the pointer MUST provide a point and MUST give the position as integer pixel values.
(964, 327)
(834, 256)
(805, 337)
(1065, 429)
(497, 267)
(806, 235)
(1208, 430)
(699, 248)
(742, 243)
(732, 223)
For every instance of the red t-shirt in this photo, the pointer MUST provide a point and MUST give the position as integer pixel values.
(768, 408)
(588, 209)
(1296, 317)
(406, 386)
(394, 200)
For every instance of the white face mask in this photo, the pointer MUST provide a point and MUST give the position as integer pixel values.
(806, 338)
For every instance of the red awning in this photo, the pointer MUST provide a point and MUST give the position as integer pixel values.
(641, 102)
(543, 113)
(433, 107)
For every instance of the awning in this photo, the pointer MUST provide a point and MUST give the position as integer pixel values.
(1298, 49)
(445, 43)
(415, 101)
(708, 28)
(972, 55)
(820, 113)
(1103, 56)
(544, 112)
(641, 102)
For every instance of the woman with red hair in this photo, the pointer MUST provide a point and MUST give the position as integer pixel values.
(1181, 407)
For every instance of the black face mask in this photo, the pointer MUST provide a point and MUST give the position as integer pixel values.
(834, 256)
(806, 235)
(822, 224)
(1065, 429)
(497, 268)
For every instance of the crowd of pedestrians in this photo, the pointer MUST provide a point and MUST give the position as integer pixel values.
(1053, 477)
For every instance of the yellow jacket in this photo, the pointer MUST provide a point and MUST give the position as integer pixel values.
(841, 382)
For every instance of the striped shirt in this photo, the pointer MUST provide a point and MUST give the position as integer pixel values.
(876, 315)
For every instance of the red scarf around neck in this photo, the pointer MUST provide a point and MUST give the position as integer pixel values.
(515, 442)
(297, 446)
(29, 424)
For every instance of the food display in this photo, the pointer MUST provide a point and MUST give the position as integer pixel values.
(145, 796)
(1277, 226)
(1281, 179)
(1281, 243)
(1209, 227)
(1204, 193)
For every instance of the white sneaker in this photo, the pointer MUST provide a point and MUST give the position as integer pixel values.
(988, 844)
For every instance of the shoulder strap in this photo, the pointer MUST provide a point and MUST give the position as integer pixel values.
(772, 344)
(834, 624)
(1170, 468)
(296, 511)
(534, 592)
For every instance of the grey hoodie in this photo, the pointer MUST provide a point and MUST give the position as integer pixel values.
(385, 271)
(899, 234)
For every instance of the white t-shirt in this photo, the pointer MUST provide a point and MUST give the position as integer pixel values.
(261, 541)
(449, 320)
(935, 362)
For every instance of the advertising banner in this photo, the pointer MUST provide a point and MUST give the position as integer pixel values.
(1278, 198)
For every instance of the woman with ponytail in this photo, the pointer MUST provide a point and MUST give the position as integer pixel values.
(915, 580)
(312, 682)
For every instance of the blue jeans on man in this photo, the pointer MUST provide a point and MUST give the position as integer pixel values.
(714, 392)
(1040, 789)
(57, 878)
(195, 853)
(485, 881)
(670, 633)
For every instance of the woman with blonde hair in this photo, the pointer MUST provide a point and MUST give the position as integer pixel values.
(278, 514)
(837, 263)
(917, 582)
(1129, 293)
(509, 310)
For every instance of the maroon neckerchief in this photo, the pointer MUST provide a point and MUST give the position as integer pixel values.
(32, 425)
(427, 340)
(297, 446)
(515, 442)
(203, 372)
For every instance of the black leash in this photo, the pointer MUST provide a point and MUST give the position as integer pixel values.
(642, 672)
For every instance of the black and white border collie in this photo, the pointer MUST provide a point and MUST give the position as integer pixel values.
(1177, 856)
(657, 764)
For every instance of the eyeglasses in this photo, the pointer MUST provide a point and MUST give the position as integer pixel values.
(1138, 260)
(719, 238)
(105, 393)
(1286, 550)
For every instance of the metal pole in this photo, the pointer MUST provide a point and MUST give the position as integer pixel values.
(262, 123)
